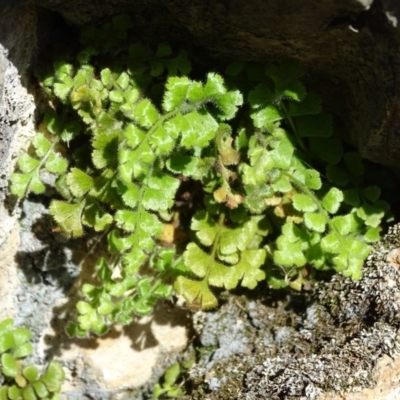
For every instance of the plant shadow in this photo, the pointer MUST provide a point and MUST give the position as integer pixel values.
(53, 269)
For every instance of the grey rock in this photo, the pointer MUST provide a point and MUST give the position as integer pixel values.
(351, 50)
(327, 340)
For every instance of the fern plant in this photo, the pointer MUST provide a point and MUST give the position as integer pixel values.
(169, 387)
(25, 382)
(123, 138)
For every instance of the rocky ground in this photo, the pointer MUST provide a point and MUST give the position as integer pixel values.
(339, 338)
(336, 341)
(40, 273)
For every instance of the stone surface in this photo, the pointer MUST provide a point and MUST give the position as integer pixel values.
(351, 50)
(40, 275)
(340, 338)
(8, 274)
(122, 359)
(387, 378)
(17, 105)
(349, 47)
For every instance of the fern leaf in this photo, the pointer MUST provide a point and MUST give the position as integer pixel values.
(41, 144)
(68, 216)
(94, 216)
(146, 113)
(176, 92)
(79, 182)
(56, 164)
(195, 122)
(248, 269)
(197, 293)
(105, 151)
(27, 164)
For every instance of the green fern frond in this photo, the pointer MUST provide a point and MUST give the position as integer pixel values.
(149, 148)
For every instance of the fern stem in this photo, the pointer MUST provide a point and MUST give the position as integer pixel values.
(214, 249)
(293, 126)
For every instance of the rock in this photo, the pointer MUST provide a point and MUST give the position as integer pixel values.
(341, 338)
(39, 271)
(386, 376)
(8, 274)
(351, 50)
(124, 360)
(17, 105)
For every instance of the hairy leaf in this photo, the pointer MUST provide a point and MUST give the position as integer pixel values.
(331, 243)
(146, 113)
(197, 129)
(27, 163)
(105, 151)
(266, 115)
(372, 214)
(23, 183)
(214, 86)
(131, 195)
(176, 93)
(186, 165)
(312, 179)
(302, 202)
(56, 164)
(161, 141)
(95, 216)
(282, 154)
(228, 104)
(332, 200)
(205, 226)
(248, 269)
(315, 222)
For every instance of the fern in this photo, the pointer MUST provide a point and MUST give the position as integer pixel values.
(139, 128)
(25, 381)
(227, 260)
(45, 156)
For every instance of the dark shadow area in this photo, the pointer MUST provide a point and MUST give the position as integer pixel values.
(48, 251)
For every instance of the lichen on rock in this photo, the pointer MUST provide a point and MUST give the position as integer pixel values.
(303, 346)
